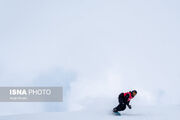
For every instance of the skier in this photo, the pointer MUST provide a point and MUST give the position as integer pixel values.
(124, 99)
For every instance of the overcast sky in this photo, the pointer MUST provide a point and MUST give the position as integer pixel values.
(93, 48)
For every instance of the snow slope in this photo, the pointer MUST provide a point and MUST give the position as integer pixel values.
(137, 113)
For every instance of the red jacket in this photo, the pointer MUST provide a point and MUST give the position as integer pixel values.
(129, 94)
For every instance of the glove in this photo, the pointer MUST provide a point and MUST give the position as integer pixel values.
(129, 106)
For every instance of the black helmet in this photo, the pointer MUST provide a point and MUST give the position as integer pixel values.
(134, 91)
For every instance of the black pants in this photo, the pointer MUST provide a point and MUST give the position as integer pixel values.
(122, 105)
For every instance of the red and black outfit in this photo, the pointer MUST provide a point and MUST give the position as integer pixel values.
(124, 99)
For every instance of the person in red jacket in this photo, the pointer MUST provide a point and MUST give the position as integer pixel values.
(124, 99)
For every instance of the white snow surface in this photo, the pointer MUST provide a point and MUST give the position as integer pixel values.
(137, 113)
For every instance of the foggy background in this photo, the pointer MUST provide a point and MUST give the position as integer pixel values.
(95, 49)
